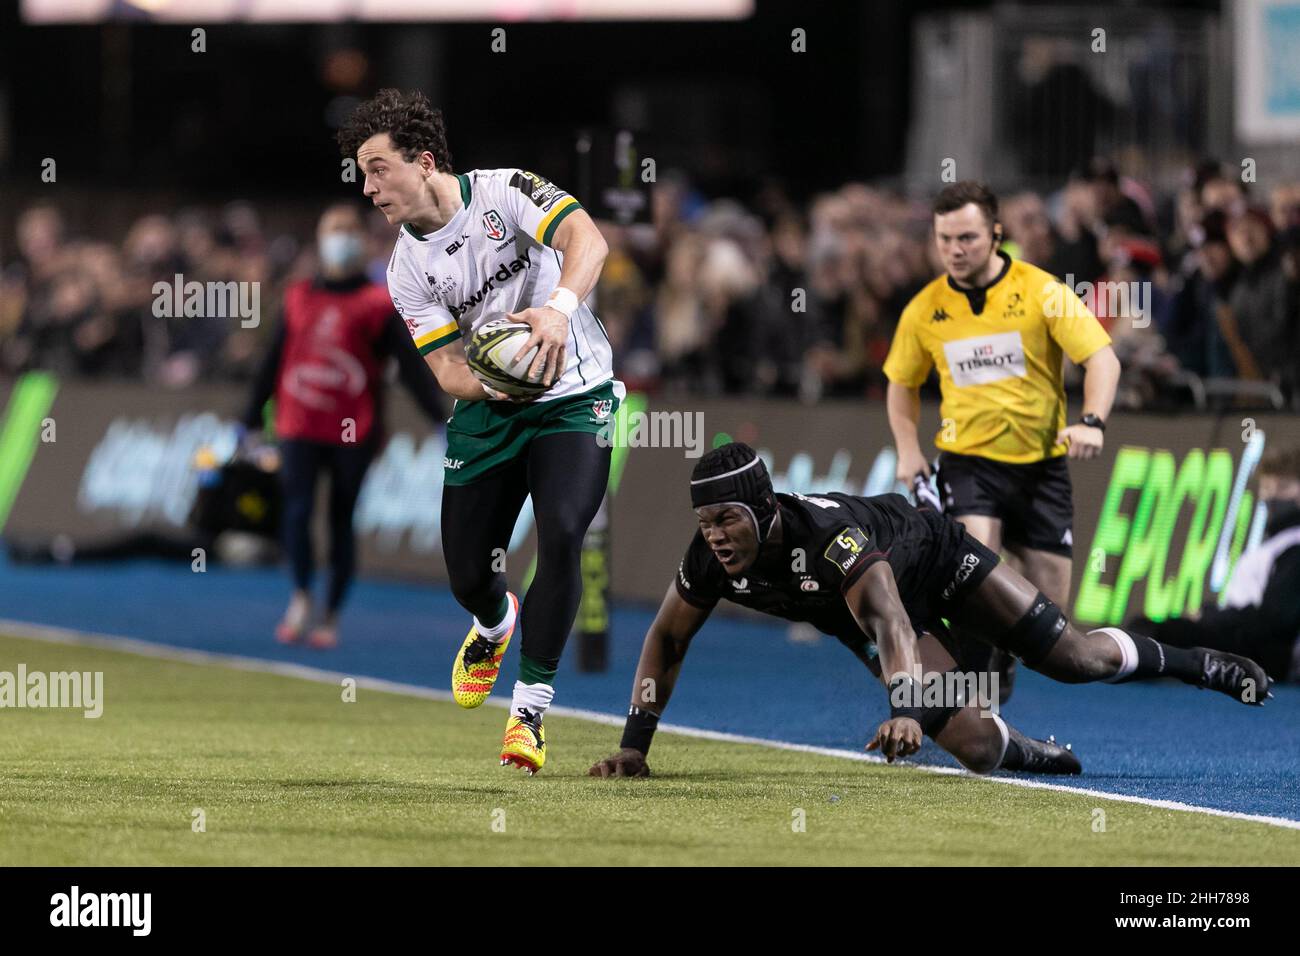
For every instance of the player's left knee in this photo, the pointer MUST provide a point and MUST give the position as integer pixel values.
(974, 741)
(982, 754)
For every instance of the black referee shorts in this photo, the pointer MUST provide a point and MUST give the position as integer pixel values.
(1033, 501)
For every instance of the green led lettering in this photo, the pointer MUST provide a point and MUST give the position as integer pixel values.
(1143, 533)
(1203, 534)
(1112, 532)
(1160, 591)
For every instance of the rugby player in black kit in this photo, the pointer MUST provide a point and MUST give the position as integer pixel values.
(879, 570)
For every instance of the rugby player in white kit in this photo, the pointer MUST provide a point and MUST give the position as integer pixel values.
(472, 245)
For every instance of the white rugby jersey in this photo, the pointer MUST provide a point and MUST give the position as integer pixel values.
(494, 256)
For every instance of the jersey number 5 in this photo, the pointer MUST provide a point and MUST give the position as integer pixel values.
(819, 502)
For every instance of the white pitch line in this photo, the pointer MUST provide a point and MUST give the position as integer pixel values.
(130, 645)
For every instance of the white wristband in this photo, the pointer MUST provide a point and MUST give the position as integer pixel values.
(564, 301)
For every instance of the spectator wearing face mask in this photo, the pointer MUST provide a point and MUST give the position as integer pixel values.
(1259, 613)
(325, 369)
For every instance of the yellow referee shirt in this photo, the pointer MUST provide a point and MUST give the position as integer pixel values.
(998, 352)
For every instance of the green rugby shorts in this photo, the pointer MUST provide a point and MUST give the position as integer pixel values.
(483, 437)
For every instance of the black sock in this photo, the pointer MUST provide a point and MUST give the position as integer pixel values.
(1162, 660)
(1014, 758)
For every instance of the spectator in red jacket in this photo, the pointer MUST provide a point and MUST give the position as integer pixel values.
(325, 369)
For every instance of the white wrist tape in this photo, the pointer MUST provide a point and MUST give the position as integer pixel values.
(563, 300)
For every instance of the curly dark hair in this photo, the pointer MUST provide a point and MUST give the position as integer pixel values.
(408, 118)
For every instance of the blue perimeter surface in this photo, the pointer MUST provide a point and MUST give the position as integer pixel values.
(1161, 741)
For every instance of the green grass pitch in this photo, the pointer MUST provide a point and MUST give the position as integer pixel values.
(286, 772)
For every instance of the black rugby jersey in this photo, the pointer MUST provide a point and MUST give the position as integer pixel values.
(827, 542)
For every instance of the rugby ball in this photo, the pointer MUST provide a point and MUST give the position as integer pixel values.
(493, 347)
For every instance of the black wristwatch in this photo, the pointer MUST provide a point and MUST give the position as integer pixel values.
(1092, 421)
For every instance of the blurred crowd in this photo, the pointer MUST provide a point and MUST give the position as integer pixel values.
(86, 307)
(1199, 287)
(773, 297)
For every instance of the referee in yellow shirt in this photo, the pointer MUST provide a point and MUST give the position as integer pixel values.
(996, 330)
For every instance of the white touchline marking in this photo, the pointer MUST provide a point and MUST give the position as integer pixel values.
(131, 645)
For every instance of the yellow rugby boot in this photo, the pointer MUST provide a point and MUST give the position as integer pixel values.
(525, 741)
(478, 662)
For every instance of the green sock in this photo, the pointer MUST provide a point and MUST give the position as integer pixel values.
(501, 613)
(531, 672)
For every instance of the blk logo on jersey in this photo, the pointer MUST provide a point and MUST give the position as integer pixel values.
(493, 225)
(451, 249)
(985, 358)
(940, 316)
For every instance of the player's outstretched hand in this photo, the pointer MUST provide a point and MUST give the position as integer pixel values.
(626, 763)
(899, 737)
